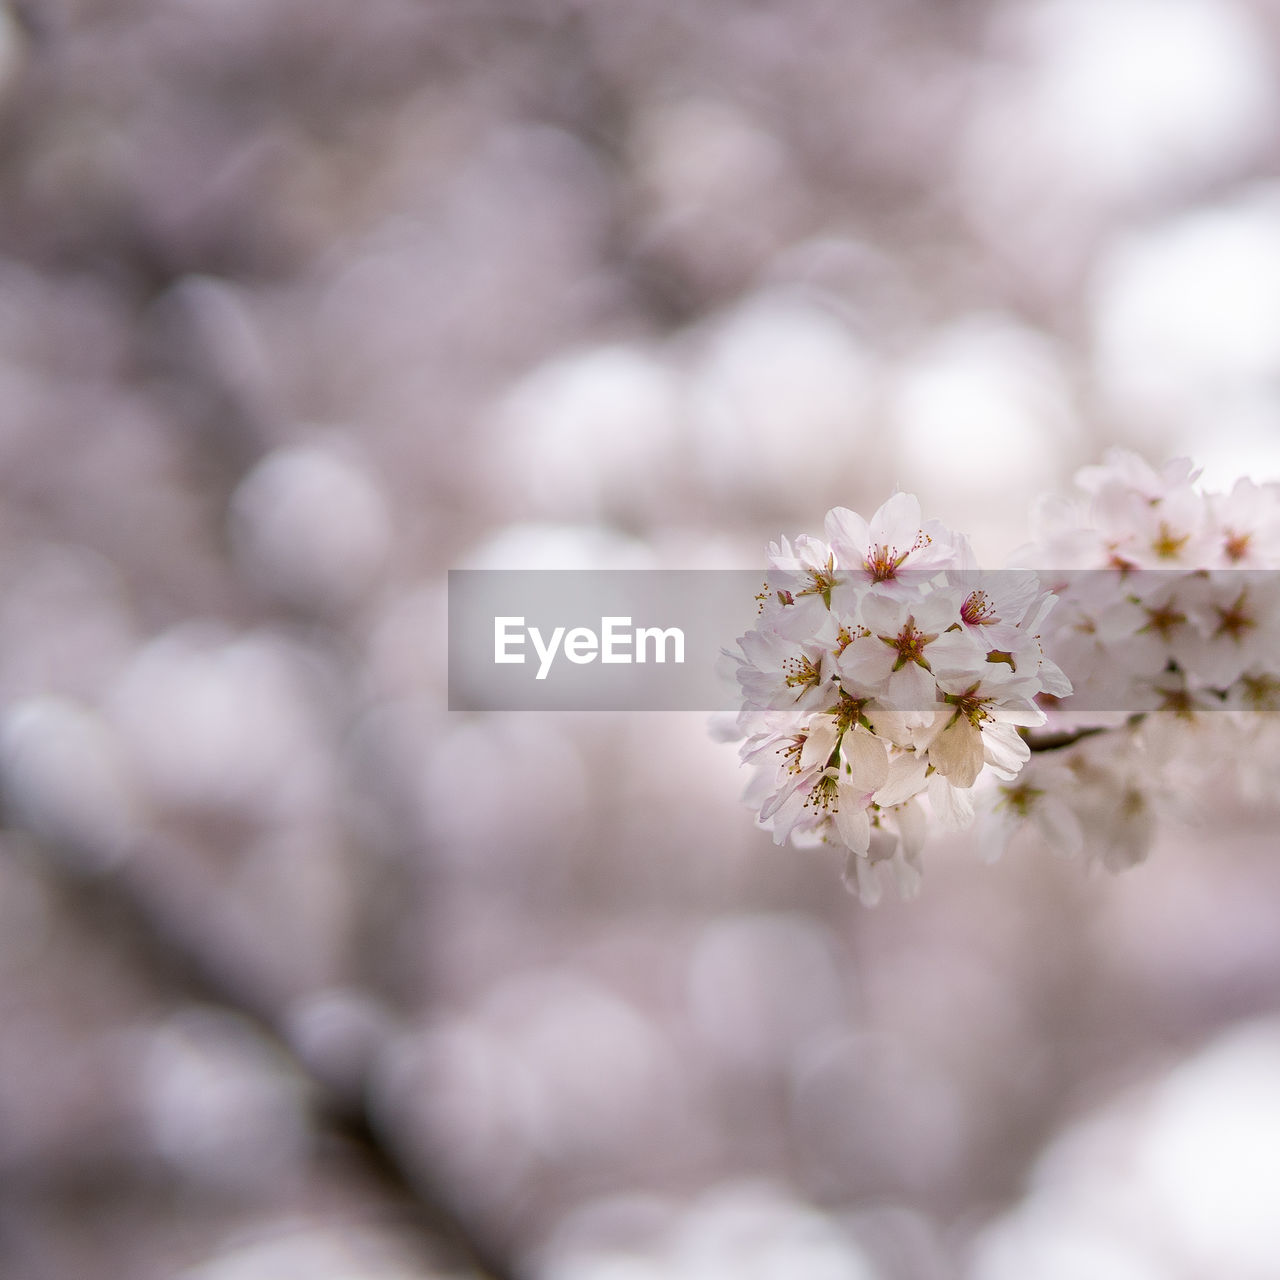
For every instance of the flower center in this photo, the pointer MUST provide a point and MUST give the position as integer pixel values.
(969, 705)
(977, 610)
(784, 597)
(800, 673)
(1163, 619)
(824, 795)
(821, 581)
(1261, 692)
(1019, 799)
(910, 644)
(882, 564)
(1236, 545)
(1179, 702)
(848, 712)
(1235, 621)
(1166, 545)
(790, 753)
(1118, 562)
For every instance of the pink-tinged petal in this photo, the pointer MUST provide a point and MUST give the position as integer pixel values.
(943, 549)
(956, 653)
(907, 776)
(994, 833)
(791, 794)
(897, 523)
(866, 759)
(1004, 750)
(959, 681)
(956, 753)
(791, 812)
(911, 688)
(852, 821)
(809, 837)
(800, 621)
(938, 720)
(865, 665)
(820, 743)
(952, 806)
(1018, 711)
(883, 846)
(812, 552)
(762, 749)
(780, 555)
(860, 878)
(849, 536)
(1058, 825)
(761, 649)
(883, 615)
(937, 612)
(913, 827)
(907, 876)
(891, 725)
(1053, 679)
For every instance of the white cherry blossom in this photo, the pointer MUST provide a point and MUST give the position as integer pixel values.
(1073, 697)
(885, 666)
(889, 550)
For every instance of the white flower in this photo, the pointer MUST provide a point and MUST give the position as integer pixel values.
(976, 725)
(864, 688)
(889, 550)
(887, 667)
(797, 588)
(1168, 618)
(1245, 526)
(993, 603)
(905, 641)
(776, 672)
(1234, 630)
(1035, 801)
(825, 803)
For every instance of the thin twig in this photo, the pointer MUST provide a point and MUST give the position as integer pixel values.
(1040, 742)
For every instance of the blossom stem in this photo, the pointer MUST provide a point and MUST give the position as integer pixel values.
(1039, 742)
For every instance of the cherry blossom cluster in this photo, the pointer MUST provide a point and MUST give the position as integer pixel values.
(1076, 697)
(1168, 595)
(1168, 626)
(885, 669)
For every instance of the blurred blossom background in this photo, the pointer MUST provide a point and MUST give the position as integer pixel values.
(302, 304)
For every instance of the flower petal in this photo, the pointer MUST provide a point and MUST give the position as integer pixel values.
(956, 752)
(852, 821)
(849, 536)
(952, 805)
(911, 688)
(897, 523)
(861, 878)
(866, 759)
(819, 743)
(907, 774)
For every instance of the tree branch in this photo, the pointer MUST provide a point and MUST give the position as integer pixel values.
(1040, 742)
(121, 899)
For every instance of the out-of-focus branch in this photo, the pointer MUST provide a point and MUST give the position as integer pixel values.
(421, 1199)
(1040, 742)
(1057, 741)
